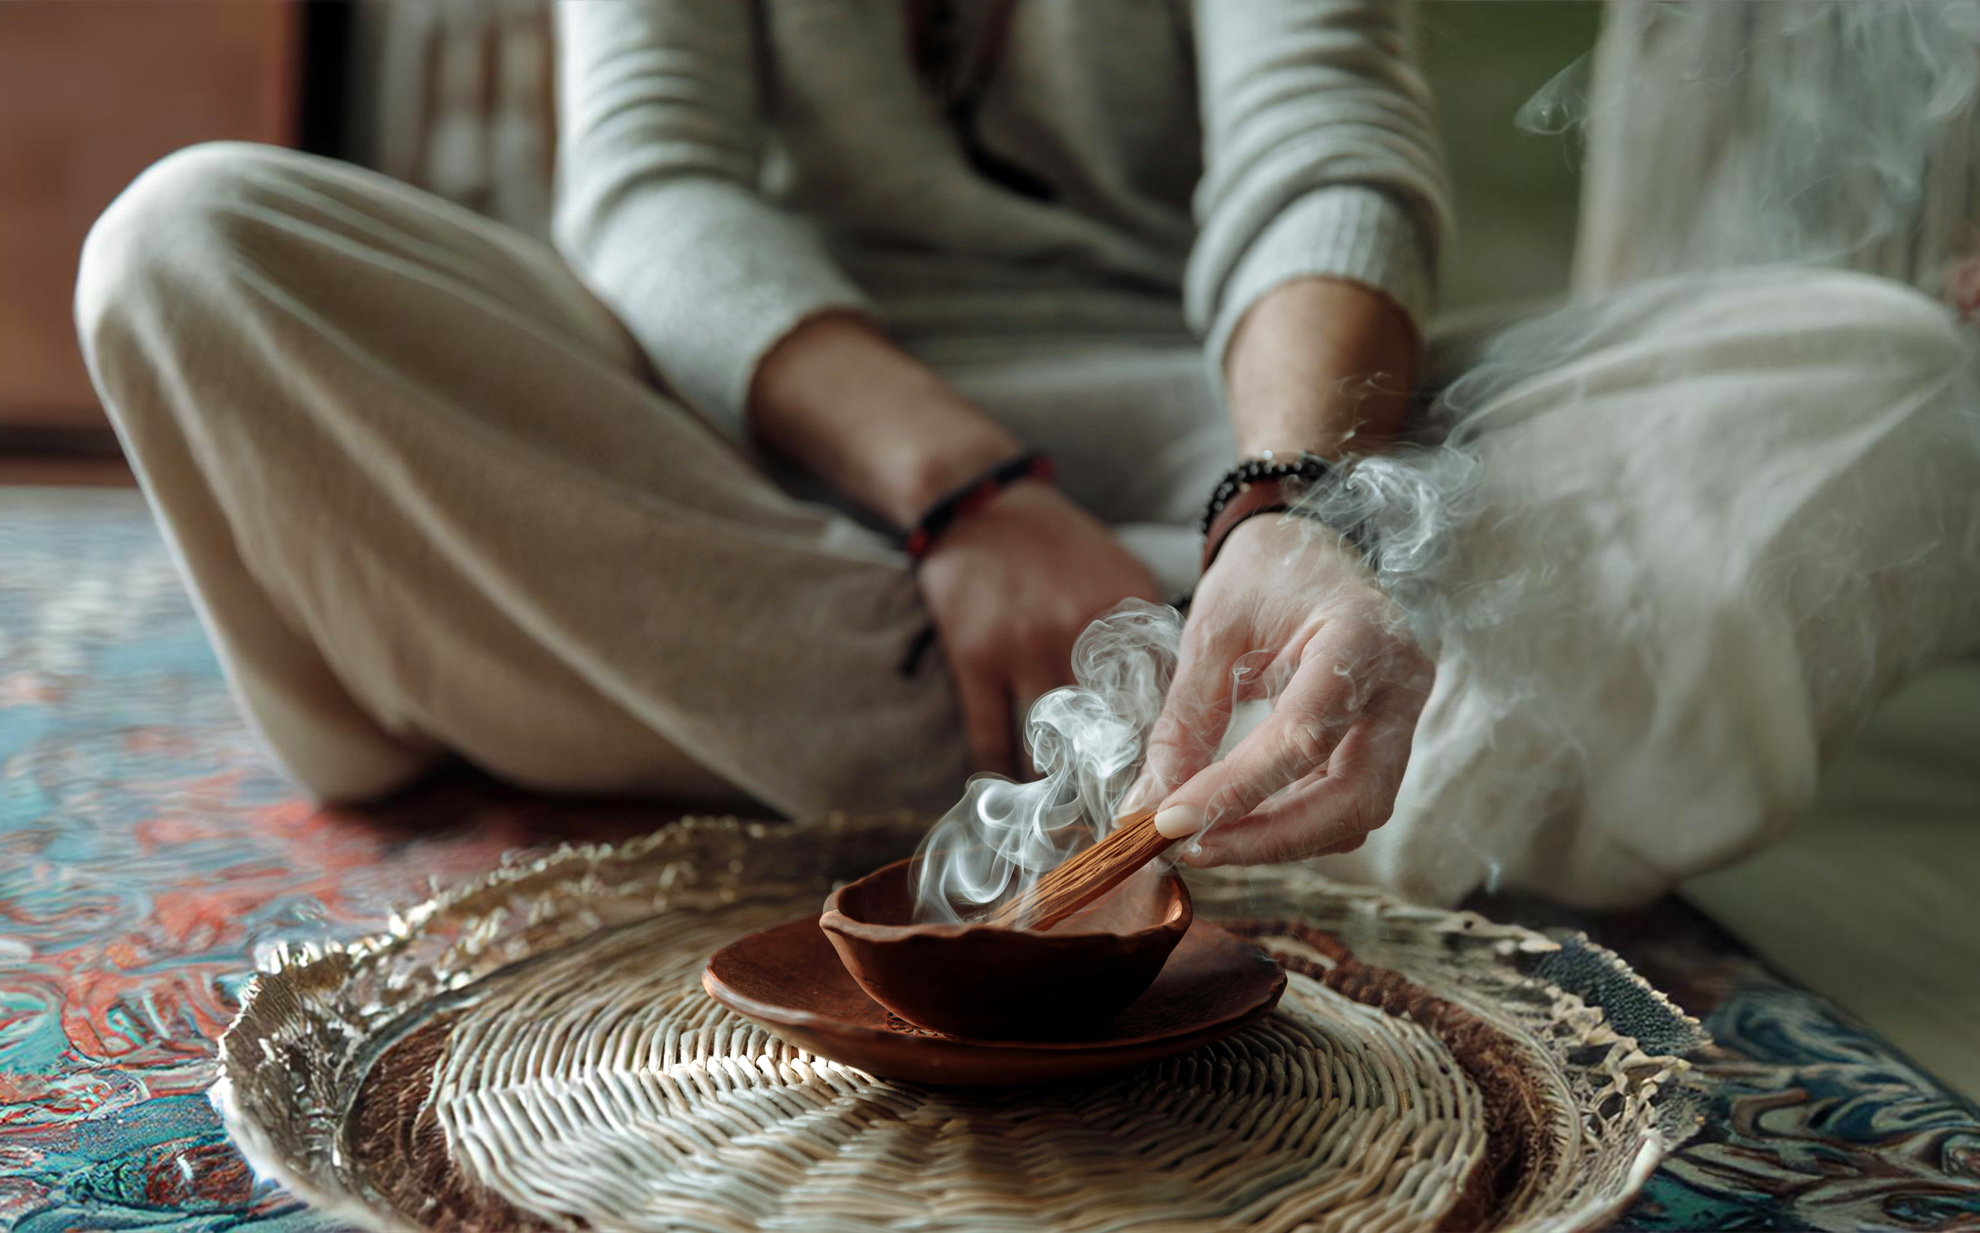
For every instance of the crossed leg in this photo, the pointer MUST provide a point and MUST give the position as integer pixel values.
(429, 499)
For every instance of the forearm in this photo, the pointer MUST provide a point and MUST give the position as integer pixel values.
(1321, 365)
(660, 154)
(871, 420)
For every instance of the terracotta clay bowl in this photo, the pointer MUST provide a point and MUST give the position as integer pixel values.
(788, 980)
(989, 982)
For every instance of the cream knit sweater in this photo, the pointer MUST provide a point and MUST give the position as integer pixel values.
(728, 168)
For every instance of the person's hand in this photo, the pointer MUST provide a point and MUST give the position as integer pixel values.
(1286, 607)
(1011, 586)
(1010, 589)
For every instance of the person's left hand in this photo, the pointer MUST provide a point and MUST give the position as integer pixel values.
(1302, 611)
(1009, 590)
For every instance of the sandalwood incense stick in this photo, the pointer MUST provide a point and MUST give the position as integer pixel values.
(1086, 875)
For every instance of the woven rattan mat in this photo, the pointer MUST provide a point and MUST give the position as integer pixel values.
(534, 1051)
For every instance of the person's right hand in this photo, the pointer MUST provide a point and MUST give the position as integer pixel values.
(1286, 599)
(1010, 588)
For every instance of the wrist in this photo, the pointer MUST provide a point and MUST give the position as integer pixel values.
(1276, 485)
(1320, 365)
(1005, 482)
(841, 399)
(1021, 496)
(929, 471)
(1330, 444)
(1335, 428)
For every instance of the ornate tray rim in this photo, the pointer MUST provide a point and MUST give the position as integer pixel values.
(368, 992)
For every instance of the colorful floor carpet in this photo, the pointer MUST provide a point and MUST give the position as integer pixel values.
(149, 850)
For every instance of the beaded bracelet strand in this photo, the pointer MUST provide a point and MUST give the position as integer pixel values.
(1259, 486)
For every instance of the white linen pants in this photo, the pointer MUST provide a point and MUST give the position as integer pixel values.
(430, 499)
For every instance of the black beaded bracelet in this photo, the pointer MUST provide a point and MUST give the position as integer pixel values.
(1263, 472)
(1307, 468)
(966, 500)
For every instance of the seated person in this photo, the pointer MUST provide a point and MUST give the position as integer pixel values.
(626, 514)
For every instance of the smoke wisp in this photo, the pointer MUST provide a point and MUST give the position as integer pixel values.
(1086, 742)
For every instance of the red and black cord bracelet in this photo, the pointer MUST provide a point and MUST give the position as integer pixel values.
(973, 496)
(958, 505)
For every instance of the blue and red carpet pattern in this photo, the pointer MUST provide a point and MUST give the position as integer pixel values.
(149, 849)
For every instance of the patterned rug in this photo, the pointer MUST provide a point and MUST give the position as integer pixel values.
(149, 850)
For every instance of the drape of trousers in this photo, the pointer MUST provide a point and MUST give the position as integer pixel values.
(431, 501)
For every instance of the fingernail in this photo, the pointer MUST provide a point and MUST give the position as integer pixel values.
(1178, 820)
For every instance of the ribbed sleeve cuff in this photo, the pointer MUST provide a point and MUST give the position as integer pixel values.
(709, 278)
(1348, 232)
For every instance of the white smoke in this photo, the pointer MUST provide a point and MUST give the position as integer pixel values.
(1723, 136)
(1656, 603)
(1804, 132)
(1405, 504)
(1086, 741)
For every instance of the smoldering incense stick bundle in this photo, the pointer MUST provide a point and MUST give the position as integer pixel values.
(1086, 875)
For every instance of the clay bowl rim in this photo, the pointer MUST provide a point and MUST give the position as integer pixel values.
(835, 920)
(790, 1016)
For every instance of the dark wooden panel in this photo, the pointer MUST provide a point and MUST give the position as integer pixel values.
(92, 92)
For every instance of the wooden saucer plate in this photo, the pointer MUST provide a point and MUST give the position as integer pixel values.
(790, 980)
